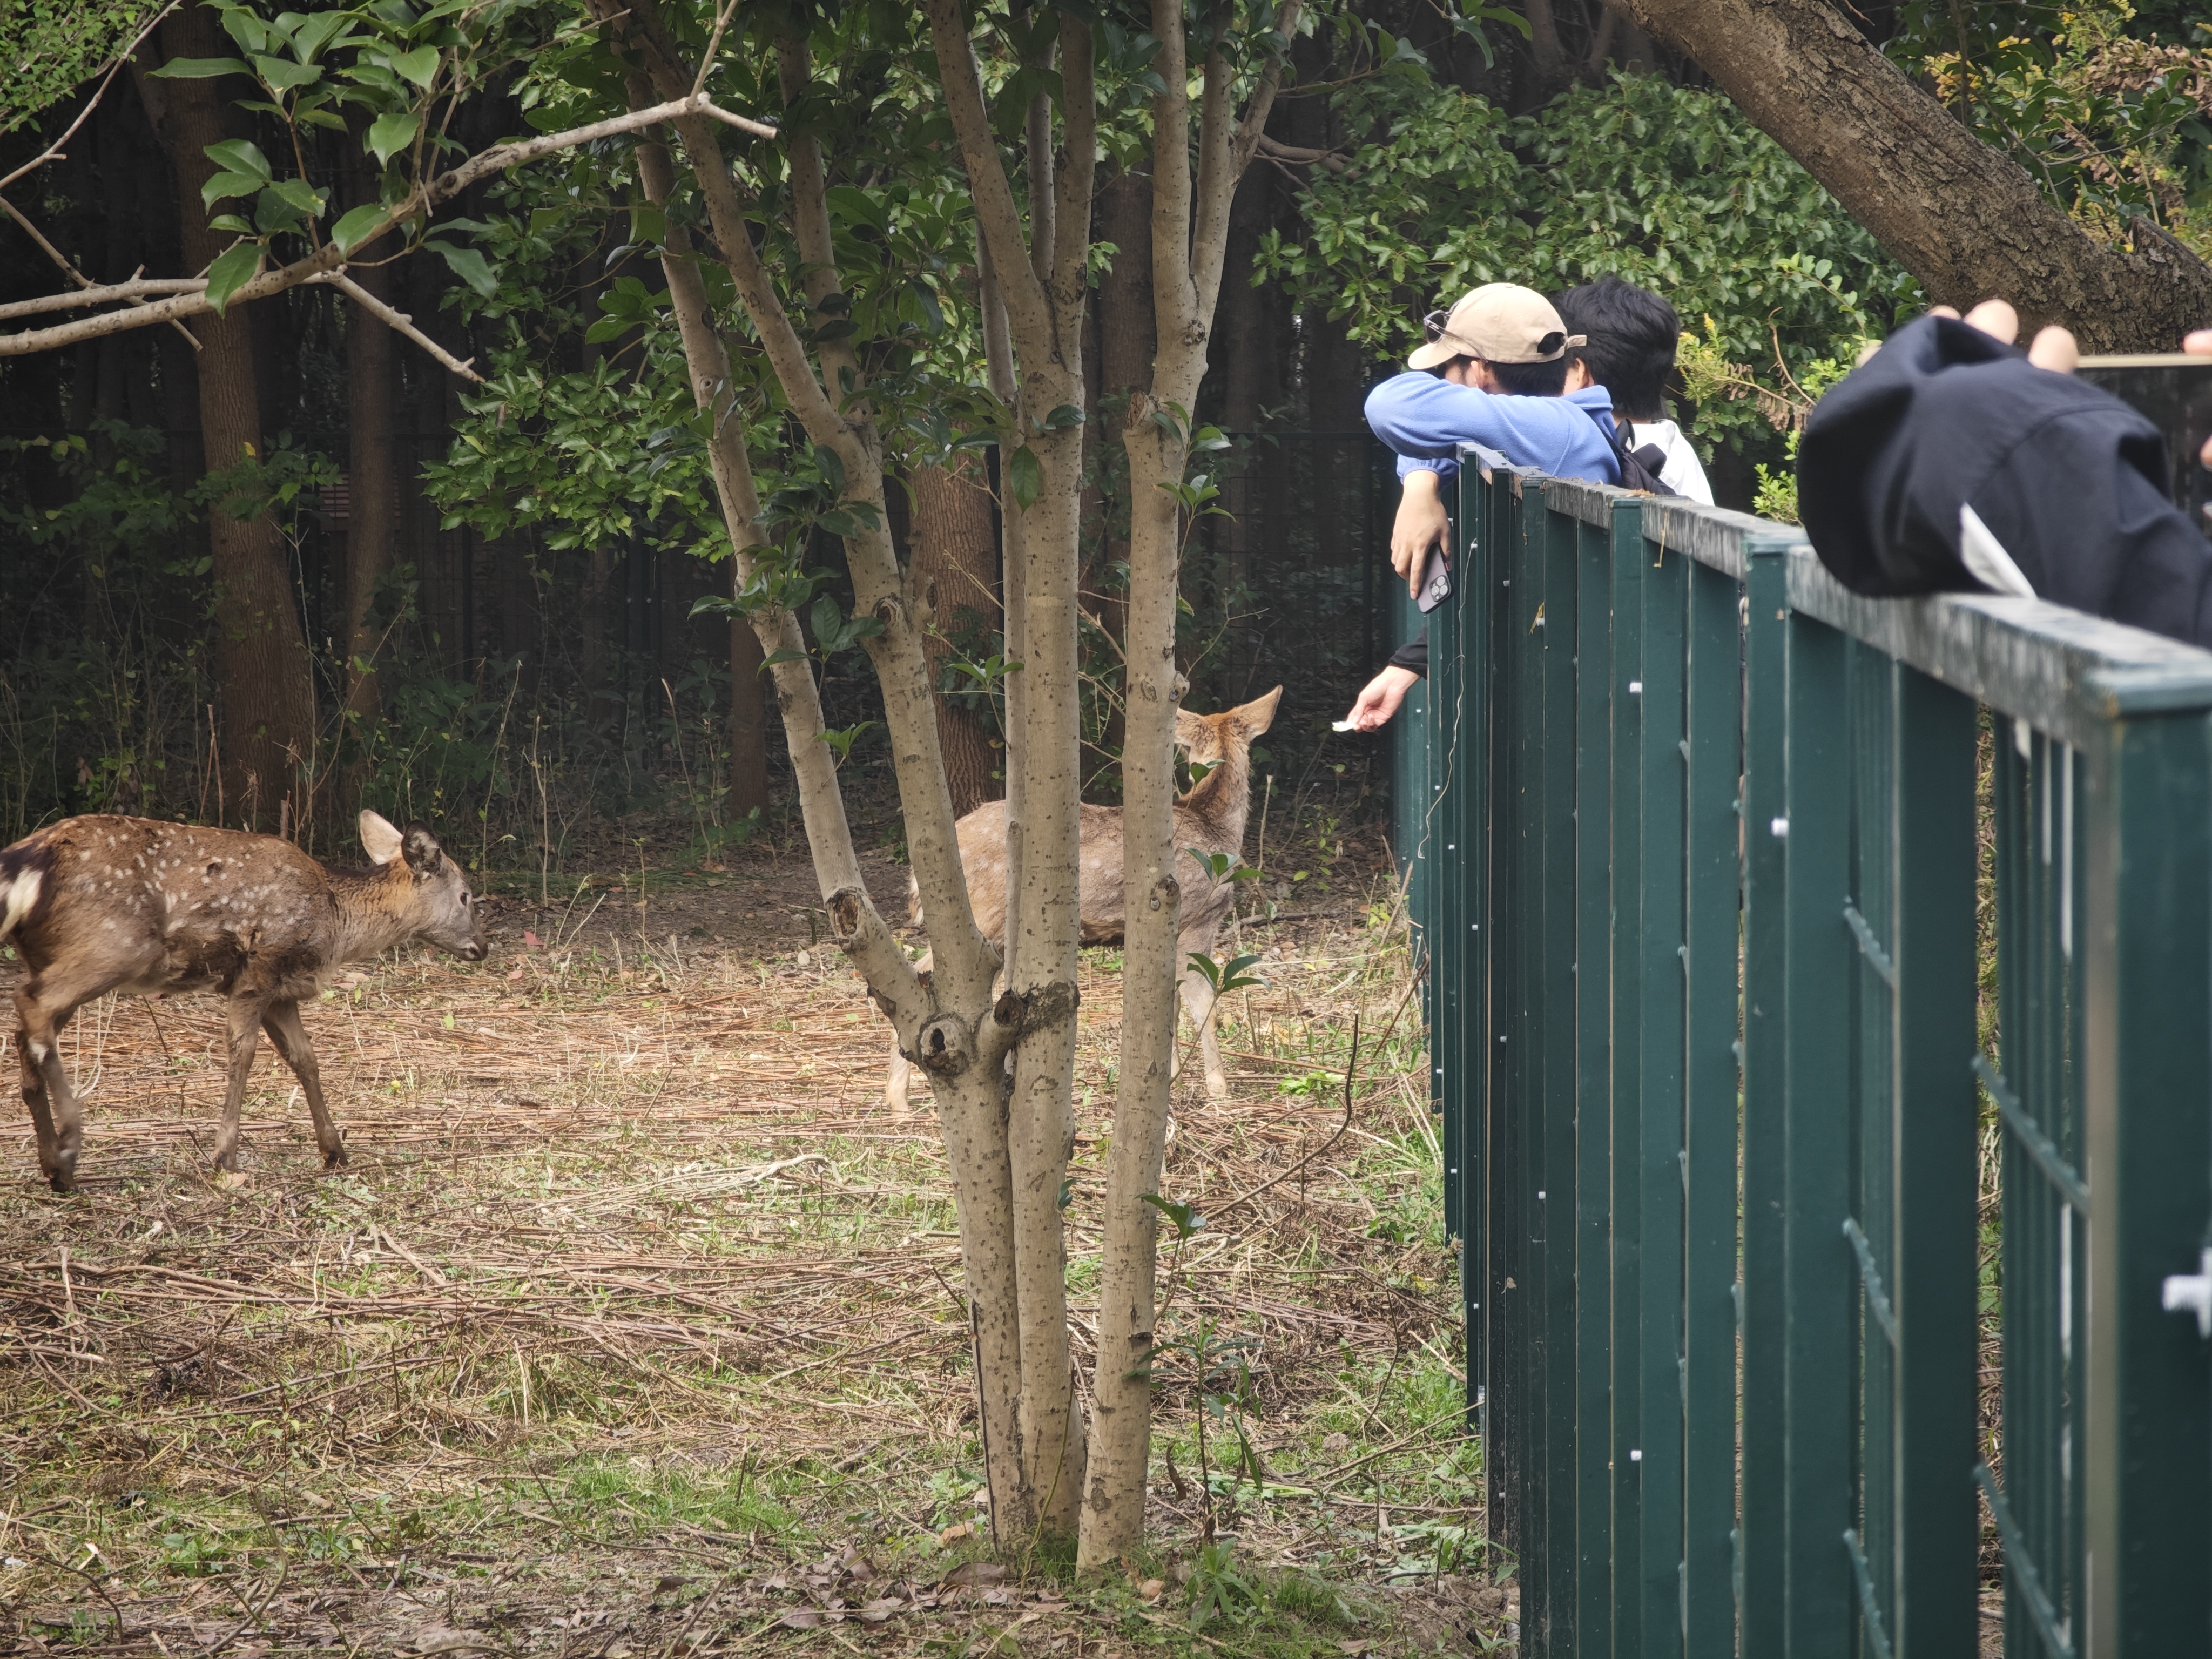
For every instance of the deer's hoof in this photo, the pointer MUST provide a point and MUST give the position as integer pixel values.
(335, 1158)
(61, 1183)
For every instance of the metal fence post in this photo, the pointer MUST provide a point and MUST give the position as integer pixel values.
(1760, 1556)
(2148, 1077)
(1931, 1125)
(1616, 676)
(1588, 650)
(1658, 693)
(1712, 920)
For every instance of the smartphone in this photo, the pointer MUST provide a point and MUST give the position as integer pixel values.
(1436, 581)
(2176, 393)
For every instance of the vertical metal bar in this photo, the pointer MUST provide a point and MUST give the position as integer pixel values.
(1620, 674)
(1447, 919)
(1759, 1558)
(1591, 1193)
(2147, 943)
(1820, 1603)
(1932, 1125)
(1660, 1169)
(1507, 1262)
(1478, 849)
(1872, 676)
(1554, 543)
(1713, 827)
(1546, 1284)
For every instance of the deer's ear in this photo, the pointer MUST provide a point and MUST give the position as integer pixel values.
(1257, 715)
(378, 838)
(424, 856)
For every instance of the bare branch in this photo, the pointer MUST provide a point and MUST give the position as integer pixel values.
(1232, 153)
(714, 46)
(430, 194)
(54, 150)
(68, 269)
(1078, 166)
(137, 288)
(810, 212)
(399, 323)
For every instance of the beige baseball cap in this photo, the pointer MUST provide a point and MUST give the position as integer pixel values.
(1499, 323)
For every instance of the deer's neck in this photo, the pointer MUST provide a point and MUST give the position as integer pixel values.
(370, 911)
(1219, 804)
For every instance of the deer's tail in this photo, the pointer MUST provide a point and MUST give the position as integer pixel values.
(22, 879)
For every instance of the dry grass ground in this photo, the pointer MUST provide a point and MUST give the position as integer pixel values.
(633, 1326)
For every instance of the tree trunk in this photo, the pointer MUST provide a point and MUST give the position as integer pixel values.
(372, 480)
(1189, 238)
(1125, 370)
(954, 570)
(1965, 219)
(261, 653)
(951, 1027)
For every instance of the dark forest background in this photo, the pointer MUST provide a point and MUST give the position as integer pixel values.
(493, 585)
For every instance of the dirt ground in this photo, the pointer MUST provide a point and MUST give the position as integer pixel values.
(633, 1326)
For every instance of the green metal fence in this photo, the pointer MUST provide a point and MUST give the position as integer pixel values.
(1695, 847)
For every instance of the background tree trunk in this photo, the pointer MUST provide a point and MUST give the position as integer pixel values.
(1965, 219)
(261, 653)
(372, 477)
(1126, 338)
(954, 562)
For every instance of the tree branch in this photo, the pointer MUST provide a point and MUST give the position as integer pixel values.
(429, 195)
(809, 203)
(399, 323)
(137, 288)
(1027, 310)
(1076, 180)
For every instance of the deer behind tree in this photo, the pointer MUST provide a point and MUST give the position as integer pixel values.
(1209, 818)
(148, 908)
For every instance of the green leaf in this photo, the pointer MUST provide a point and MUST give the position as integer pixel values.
(1186, 1221)
(232, 222)
(469, 265)
(301, 195)
(1060, 419)
(353, 229)
(1024, 477)
(240, 155)
(607, 328)
(228, 184)
(231, 269)
(199, 68)
(390, 133)
(285, 76)
(273, 212)
(776, 658)
(420, 65)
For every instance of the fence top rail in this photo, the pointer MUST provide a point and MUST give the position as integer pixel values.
(2063, 672)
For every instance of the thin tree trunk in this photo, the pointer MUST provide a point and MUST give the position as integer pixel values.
(261, 653)
(1125, 344)
(952, 1027)
(1190, 233)
(1965, 219)
(954, 568)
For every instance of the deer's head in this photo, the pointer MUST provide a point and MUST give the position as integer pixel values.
(1209, 739)
(434, 902)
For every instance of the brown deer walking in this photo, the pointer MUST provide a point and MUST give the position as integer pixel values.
(1211, 818)
(134, 905)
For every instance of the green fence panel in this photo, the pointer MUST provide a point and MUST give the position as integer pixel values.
(1714, 1046)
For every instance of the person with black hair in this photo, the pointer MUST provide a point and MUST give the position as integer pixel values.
(1631, 334)
(1494, 372)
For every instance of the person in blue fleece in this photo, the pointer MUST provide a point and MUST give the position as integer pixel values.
(1493, 373)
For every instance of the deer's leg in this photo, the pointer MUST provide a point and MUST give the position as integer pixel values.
(281, 1021)
(898, 1081)
(42, 1008)
(1198, 996)
(244, 1036)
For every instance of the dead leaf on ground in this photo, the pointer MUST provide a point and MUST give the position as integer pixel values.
(977, 1572)
(874, 1612)
(1151, 1589)
(439, 1638)
(801, 1619)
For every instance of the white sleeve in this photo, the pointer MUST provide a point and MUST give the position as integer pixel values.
(1683, 474)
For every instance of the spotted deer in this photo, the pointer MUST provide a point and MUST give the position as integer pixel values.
(148, 909)
(1209, 818)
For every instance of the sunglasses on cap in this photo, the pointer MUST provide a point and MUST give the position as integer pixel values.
(1433, 326)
